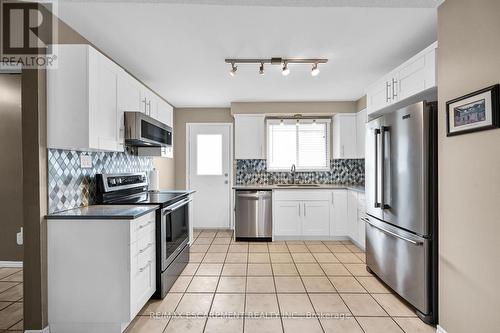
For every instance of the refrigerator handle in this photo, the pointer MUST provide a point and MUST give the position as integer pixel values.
(385, 130)
(377, 133)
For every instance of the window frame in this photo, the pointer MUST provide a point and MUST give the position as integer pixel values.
(289, 121)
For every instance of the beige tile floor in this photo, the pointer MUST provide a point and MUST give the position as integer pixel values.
(11, 300)
(288, 287)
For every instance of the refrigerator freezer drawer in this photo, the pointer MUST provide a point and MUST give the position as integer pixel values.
(401, 260)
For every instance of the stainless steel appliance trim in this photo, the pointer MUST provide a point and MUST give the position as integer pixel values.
(417, 243)
(377, 133)
(177, 205)
(252, 196)
(123, 187)
(383, 203)
(133, 132)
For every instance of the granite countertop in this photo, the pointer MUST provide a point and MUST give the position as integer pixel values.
(104, 212)
(359, 188)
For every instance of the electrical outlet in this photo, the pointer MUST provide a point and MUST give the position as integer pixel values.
(19, 237)
(85, 161)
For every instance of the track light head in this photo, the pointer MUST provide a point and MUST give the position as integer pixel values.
(315, 69)
(261, 68)
(285, 70)
(233, 70)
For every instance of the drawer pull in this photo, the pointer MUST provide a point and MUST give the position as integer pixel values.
(145, 248)
(146, 266)
(142, 226)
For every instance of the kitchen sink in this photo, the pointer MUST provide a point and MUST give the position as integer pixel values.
(297, 185)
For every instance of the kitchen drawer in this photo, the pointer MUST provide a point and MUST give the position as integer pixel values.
(399, 258)
(302, 195)
(145, 243)
(143, 283)
(144, 225)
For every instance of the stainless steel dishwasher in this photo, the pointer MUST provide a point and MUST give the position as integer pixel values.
(253, 220)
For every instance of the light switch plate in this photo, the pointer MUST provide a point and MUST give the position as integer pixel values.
(85, 161)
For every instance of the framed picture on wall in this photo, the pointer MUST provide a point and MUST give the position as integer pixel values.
(477, 111)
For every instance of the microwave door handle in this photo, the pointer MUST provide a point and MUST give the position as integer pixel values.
(377, 133)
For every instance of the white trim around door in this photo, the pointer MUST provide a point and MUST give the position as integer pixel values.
(230, 168)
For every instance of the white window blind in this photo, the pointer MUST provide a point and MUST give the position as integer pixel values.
(306, 145)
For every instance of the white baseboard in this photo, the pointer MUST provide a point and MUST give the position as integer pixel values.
(439, 329)
(45, 330)
(15, 264)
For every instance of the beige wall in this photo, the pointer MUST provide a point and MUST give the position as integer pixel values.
(166, 172)
(11, 195)
(469, 177)
(361, 104)
(182, 116)
(276, 108)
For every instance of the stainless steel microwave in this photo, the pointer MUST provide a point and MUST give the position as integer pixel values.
(142, 130)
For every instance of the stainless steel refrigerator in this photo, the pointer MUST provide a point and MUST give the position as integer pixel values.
(401, 204)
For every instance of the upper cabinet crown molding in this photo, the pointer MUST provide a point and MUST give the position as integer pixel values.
(87, 95)
(249, 136)
(414, 78)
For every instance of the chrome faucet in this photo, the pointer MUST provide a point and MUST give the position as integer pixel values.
(292, 170)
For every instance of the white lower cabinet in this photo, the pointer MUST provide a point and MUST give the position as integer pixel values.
(356, 213)
(316, 221)
(287, 221)
(318, 214)
(100, 273)
(340, 222)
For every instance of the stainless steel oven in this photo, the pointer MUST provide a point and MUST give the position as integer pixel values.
(173, 243)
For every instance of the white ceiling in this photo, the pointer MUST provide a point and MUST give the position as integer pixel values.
(179, 49)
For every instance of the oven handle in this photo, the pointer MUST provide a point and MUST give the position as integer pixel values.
(177, 205)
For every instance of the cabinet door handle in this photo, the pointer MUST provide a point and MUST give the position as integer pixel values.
(145, 248)
(305, 210)
(394, 95)
(387, 93)
(299, 209)
(333, 205)
(142, 226)
(145, 266)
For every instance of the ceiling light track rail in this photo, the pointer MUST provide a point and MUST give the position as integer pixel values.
(283, 62)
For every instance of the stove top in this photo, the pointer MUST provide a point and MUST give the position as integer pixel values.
(132, 188)
(162, 198)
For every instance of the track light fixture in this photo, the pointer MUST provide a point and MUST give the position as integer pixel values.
(315, 70)
(233, 70)
(284, 63)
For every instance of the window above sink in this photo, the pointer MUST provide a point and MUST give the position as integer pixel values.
(304, 143)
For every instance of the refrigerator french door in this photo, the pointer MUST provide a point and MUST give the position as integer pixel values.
(401, 223)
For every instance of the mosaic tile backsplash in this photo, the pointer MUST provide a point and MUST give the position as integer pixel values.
(342, 171)
(71, 186)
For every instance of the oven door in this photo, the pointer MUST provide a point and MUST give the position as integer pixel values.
(174, 231)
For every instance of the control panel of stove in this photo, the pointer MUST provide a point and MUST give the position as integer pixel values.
(116, 181)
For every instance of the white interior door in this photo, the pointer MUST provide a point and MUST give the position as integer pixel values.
(209, 174)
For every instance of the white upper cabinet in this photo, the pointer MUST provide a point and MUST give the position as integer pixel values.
(82, 101)
(360, 133)
(413, 77)
(249, 137)
(87, 96)
(165, 113)
(344, 136)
